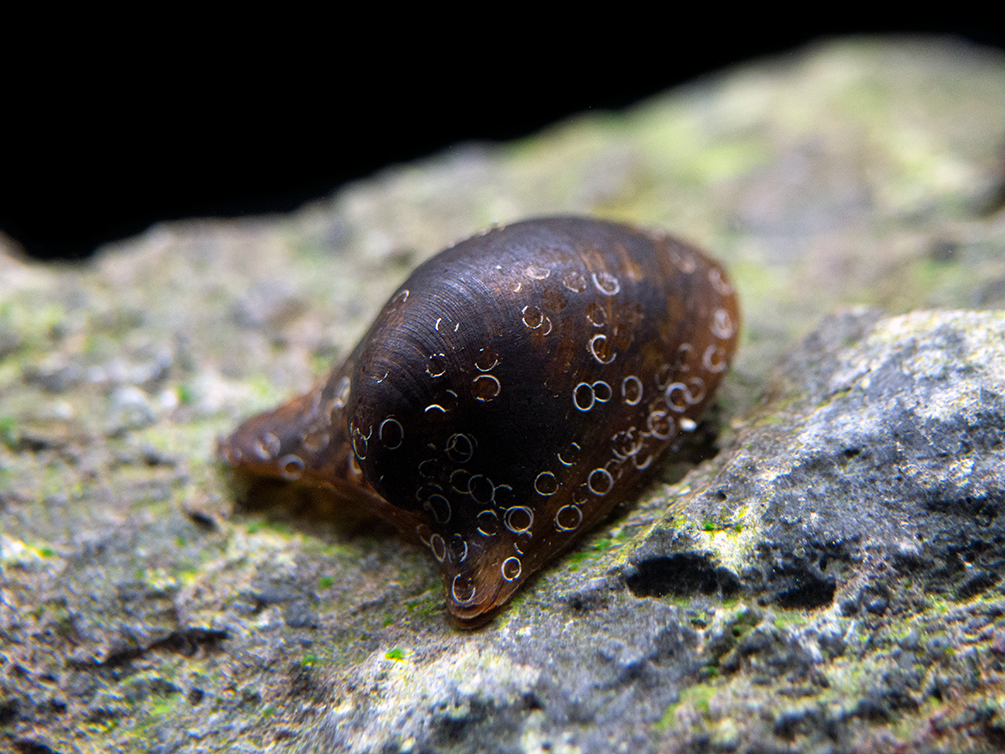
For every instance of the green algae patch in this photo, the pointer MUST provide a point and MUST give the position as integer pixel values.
(696, 697)
(427, 604)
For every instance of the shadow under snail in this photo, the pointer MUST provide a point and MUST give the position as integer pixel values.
(513, 391)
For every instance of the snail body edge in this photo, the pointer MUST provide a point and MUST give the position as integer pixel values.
(513, 391)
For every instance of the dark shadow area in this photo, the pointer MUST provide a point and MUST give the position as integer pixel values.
(185, 642)
(311, 511)
(807, 591)
(681, 576)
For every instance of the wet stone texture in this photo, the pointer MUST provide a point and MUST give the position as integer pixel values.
(866, 493)
(823, 574)
(889, 456)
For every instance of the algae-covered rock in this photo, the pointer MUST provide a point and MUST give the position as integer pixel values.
(830, 581)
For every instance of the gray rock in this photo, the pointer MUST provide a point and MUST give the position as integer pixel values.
(887, 460)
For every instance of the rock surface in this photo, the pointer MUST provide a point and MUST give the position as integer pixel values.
(831, 581)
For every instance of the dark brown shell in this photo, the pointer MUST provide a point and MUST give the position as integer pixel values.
(515, 389)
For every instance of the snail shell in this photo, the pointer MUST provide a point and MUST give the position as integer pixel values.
(512, 392)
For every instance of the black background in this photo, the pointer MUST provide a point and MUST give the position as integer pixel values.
(105, 136)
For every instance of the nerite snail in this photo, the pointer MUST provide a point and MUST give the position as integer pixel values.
(510, 394)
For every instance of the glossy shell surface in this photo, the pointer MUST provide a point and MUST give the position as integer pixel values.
(515, 388)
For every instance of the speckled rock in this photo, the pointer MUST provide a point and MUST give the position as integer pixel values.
(885, 460)
(865, 496)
